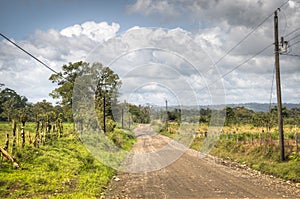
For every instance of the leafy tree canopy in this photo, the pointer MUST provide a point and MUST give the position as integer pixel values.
(105, 80)
(11, 103)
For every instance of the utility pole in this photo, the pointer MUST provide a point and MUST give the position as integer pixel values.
(123, 115)
(104, 121)
(278, 88)
(167, 117)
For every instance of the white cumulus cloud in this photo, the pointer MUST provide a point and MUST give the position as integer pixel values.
(55, 48)
(95, 31)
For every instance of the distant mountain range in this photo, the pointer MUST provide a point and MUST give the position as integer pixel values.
(264, 107)
(257, 107)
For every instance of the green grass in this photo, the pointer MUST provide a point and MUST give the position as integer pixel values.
(263, 158)
(62, 169)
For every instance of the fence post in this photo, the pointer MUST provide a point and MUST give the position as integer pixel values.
(60, 127)
(226, 135)
(6, 142)
(296, 142)
(267, 138)
(43, 133)
(260, 137)
(270, 139)
(36, 139)
(23, 134)
(14, 126)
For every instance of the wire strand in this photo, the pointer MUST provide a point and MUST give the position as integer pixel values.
(31, 55)
(294, 43)
(246, 37)
(294, 37)
(293, 55)
(239, 65)
(295, 30)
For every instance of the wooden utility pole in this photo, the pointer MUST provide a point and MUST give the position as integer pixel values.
(104, 115)
(278, 88)
(167, 117)
(122, 115)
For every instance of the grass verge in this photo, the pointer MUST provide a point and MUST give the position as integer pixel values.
(62, 169)
(263, 158)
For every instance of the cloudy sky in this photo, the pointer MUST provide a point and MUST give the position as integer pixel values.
(186, 52)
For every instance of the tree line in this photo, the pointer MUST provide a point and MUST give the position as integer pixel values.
(240, 115)
(237, 116)
(105, 91)
(13, 106)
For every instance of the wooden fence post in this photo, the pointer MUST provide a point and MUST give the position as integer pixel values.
(43, 133)
(226, 135)
(23, 134)
(14, 126)
(266, 138)
(37, 139)
(29, 137)
(271, 139)
(260, 137)
(296, 142)
(6, 142)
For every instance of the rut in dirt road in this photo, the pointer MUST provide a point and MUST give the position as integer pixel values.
(193, 177)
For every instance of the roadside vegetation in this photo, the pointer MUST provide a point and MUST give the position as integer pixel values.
(42, 154)
(63, 168)
(251, 138)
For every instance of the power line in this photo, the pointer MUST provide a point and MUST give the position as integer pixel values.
(295, 30)
(248, 35)
(247, 60)
(291, 55)
(31, 55)
(294, 43)
(241, 64)
(293, 38)
(242, 40)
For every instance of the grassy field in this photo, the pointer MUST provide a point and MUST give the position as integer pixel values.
(264, 156)
(61, 169)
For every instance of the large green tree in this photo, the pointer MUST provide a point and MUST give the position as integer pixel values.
(106, 84)
(44, 111)
(11, 103)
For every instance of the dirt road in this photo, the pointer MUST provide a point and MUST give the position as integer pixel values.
(194, 177)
